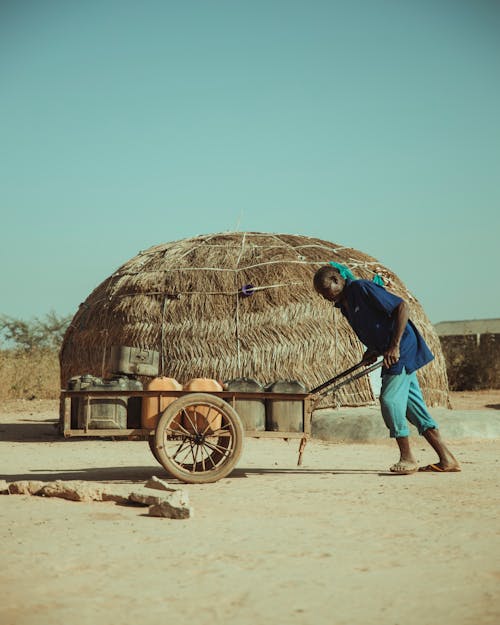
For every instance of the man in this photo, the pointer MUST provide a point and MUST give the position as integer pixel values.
(380, 321)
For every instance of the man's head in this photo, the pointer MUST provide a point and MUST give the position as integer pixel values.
(329, 283)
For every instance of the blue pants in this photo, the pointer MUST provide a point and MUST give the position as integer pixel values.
(401, 399)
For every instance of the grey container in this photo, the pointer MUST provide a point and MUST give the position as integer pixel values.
(251, 411)
(284, 415)
(134, 361)
(134, 404)
(80, 383)
(108, 413)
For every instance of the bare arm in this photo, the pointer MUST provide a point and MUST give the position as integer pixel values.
(401, 313)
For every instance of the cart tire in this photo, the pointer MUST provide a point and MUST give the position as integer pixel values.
(152, 446)
(192, 452)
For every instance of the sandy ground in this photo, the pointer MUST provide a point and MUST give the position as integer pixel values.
(338, 541)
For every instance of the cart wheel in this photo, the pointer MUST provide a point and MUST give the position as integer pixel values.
(152, 446)
(199, 438)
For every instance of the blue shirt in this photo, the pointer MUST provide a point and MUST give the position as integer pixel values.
(369, 312)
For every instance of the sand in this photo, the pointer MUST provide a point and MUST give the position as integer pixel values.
(338, 541)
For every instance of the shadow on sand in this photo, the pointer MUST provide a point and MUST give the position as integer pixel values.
(94, 474)
(141, 474)
(36, 431)
(29, 430)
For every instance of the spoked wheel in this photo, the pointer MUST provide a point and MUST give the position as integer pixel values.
(152, 446)
(199, 438)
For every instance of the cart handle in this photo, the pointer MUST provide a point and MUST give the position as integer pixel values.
(331, 381)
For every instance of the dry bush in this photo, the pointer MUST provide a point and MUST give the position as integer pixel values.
(29, 374)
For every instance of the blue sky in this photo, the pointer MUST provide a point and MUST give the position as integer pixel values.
(369, 123)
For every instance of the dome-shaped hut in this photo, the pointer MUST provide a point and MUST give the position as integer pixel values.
(236, 305)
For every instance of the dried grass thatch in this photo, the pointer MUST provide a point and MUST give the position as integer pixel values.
(184, 299)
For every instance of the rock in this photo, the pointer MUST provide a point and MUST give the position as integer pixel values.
(171, 510)
(155, 482)
(172, 503)
(26, 487)
(116, 492)
(74, 491)
(144, 498)
(175, 495)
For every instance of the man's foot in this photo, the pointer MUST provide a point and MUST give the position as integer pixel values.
(447, 461)
(440, 467)
(404, 467)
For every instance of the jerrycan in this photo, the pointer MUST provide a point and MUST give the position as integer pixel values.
(153, 407)
(285, 415)
(80, 383)
(252, 412)
(103, 413)
(202, 419)
(134, 404)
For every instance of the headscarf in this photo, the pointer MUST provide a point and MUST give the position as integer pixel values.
(347, 274)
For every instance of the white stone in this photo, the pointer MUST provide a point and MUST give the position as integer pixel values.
(170, 502)
(26, 487)
(116, 492)
(72, 490)
(171, 510)
(146, 499)
(155, 482)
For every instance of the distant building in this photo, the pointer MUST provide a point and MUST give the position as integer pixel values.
(472, 353)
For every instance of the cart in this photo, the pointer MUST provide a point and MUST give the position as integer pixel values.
(199, 437)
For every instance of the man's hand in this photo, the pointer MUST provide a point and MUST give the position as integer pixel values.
(369, 357)
(391, 356)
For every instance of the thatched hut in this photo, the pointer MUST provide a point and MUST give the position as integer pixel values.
(236, 305)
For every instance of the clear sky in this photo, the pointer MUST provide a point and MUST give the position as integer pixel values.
(370, 123)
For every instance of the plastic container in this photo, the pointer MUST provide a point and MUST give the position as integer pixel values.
(153, 407)
(100, 414)
(80, 383)
(251, 411)
(203, 418)
(134, 404)
(134, 360)
(284, 415)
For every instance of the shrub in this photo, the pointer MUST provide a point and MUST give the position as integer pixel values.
(45, 333)
(29, 374)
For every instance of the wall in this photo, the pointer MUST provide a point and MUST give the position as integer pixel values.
(472, 361)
